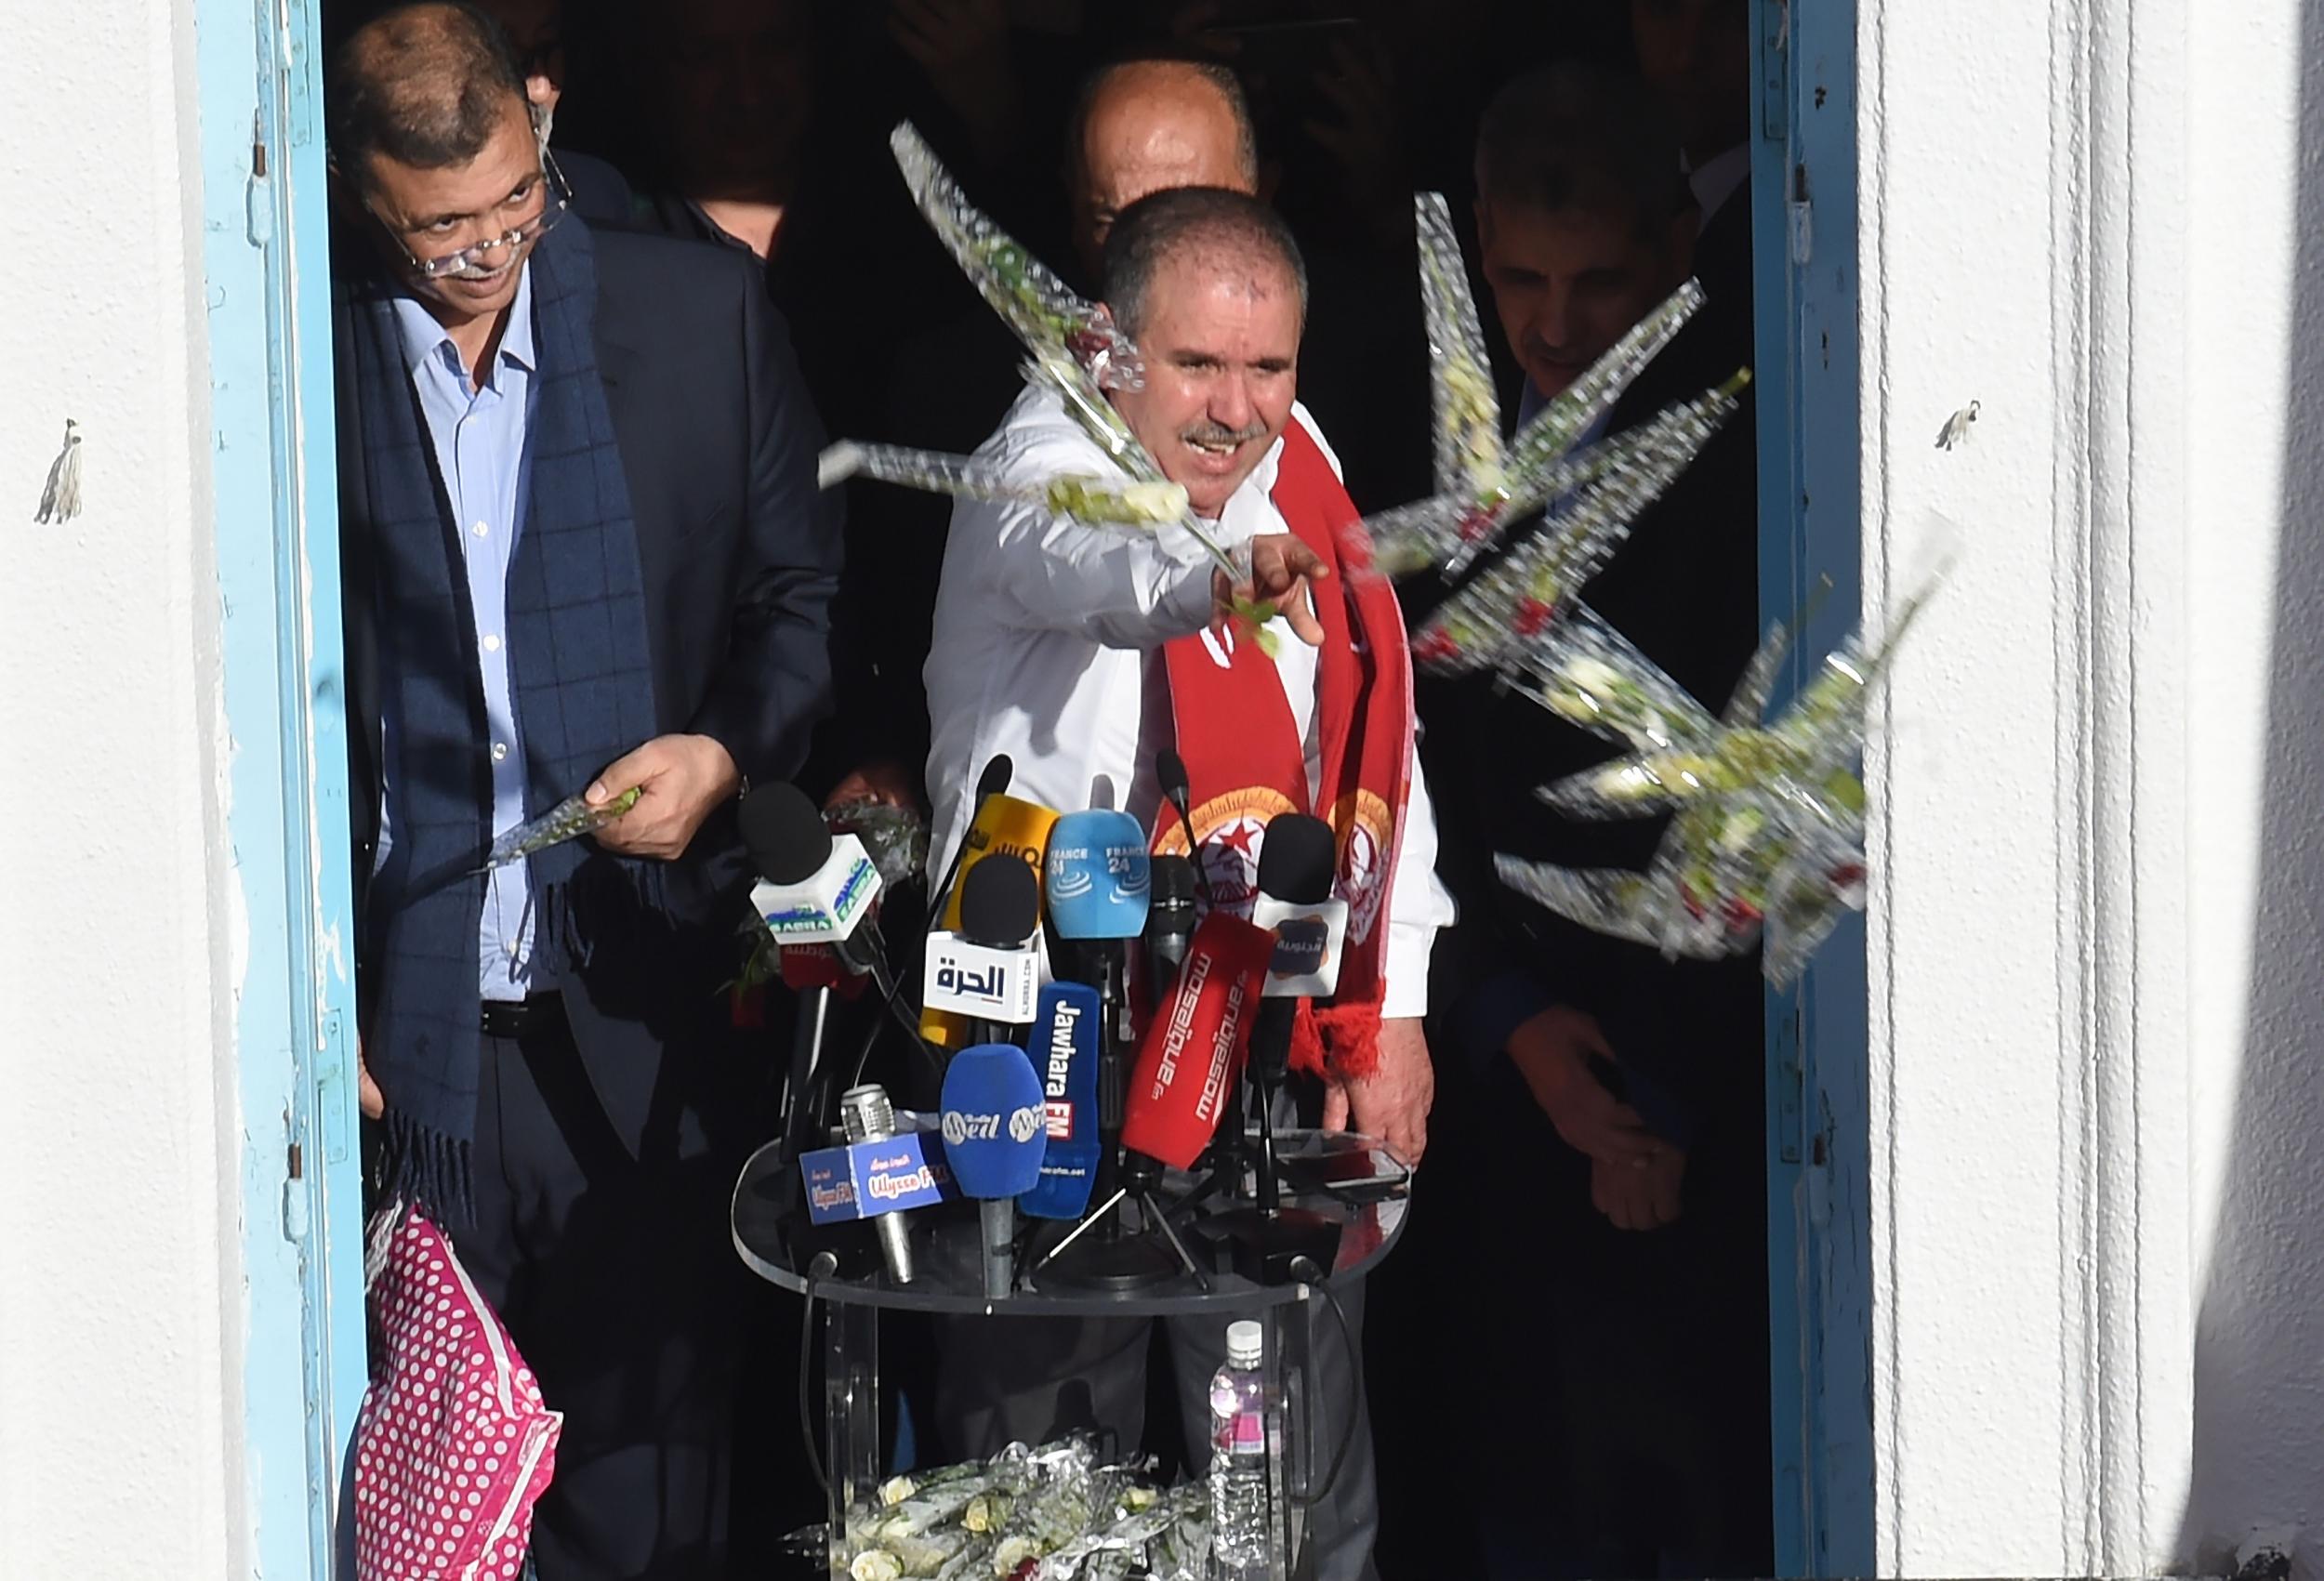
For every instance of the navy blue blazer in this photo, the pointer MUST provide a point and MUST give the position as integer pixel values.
(740, 553)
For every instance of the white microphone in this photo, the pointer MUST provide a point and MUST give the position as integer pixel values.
(815, 888)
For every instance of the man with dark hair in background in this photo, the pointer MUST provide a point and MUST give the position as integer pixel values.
(584, 555)
(1695, 56)
(1633, 1346)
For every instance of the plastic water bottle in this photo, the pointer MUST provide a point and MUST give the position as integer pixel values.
(1238, 1453)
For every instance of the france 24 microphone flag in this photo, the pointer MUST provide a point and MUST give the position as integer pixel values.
(1097, 876)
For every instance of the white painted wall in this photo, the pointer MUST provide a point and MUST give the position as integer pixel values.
(2255, 368)
(120, 1415)
(2097, 953)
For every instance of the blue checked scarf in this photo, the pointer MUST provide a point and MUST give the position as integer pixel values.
(584, 692)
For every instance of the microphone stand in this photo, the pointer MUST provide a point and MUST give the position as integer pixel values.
(1115, 1259)
(1270, 1240)
(814, 1014)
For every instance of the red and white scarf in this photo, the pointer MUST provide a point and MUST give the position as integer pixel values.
(1246, 762)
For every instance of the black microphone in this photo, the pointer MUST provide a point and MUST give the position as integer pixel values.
(1170, 769)
(1170, 922)
(988, 969)
(1296, 862)
(999, 771)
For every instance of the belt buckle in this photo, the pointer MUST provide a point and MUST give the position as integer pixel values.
(508, 1018)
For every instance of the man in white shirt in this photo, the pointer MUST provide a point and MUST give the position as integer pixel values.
(1047, 630)
(1067, 646)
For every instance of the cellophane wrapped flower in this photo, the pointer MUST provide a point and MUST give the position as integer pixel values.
(569, 820)
(1098, 502)
(1055, 1513)
(1522, 600)
(1074, 349)
(1481, 484)
(894, 837)
(1047, 315)
(1767, 845)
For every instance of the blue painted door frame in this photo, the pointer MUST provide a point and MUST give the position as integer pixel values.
(1803, 191)
(266, 290)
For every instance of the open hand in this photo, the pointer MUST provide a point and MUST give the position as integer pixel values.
(1392, 1103)
(682, 777)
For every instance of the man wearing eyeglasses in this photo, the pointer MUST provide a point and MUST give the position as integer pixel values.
(583, 556)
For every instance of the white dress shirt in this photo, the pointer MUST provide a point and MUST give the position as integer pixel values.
(1042, 636)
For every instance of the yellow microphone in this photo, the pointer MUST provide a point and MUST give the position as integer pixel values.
(1004, 826)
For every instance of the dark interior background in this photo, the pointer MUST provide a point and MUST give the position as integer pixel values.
(1372, 100)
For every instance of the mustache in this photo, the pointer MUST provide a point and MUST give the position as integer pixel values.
(1220, 434)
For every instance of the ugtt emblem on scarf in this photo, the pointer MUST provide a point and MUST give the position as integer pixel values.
(1229, 831)
(1363, 824)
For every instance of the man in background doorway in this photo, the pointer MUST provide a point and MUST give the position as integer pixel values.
(1632, 1362)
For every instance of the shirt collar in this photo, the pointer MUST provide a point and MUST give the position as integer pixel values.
(1718, 179)
(424, 337)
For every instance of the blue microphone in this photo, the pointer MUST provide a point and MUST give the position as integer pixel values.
(1065, 1048)
(1097, 879)
(994, 1137)
(1097, 876)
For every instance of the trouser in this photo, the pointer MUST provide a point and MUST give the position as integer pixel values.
(1003, 1380)
(616, 1282)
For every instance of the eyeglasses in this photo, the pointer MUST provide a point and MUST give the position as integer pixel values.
(469, 260)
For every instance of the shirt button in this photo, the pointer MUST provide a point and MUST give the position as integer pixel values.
(512, 947)
(500, 751)
(480, 529)
(492, 644)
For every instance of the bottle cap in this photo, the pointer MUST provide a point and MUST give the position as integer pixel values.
(1246, 1342)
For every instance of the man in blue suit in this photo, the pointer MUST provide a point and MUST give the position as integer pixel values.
(584, 555)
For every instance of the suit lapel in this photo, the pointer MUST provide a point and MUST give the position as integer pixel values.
(359, 633)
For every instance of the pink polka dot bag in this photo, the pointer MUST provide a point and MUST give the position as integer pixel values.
(453, 1443)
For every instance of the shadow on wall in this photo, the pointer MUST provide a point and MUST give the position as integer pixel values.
(2259, 1343)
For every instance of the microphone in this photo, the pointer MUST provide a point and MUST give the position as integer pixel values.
(1065, 1047)
(815, 888)
(1177, 789)
(994, 1140)
(999, 770)
(1169, 921)
(1294, 903)
(817, 898)
(989, 970)
(1004, 826)
(1192, 1054)
(1307, 929)
(868, 1116)
(1098, 877)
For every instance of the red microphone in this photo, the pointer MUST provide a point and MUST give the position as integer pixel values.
(1193, 1053)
